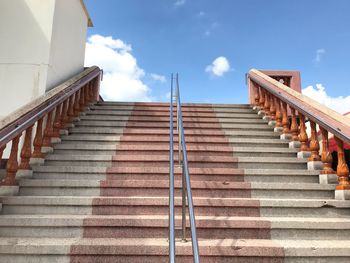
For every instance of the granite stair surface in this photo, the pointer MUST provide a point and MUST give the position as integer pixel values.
(101, 195)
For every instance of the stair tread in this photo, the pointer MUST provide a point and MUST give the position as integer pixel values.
(146, 200)
(165, 184)
(159, 246)
(162, 221)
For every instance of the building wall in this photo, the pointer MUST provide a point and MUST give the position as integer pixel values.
(25, 33)
(42, 44)
(68, 42)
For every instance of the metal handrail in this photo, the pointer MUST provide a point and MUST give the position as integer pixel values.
(171, 183)
(186, 182)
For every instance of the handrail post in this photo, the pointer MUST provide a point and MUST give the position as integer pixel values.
(188, 190)
(171, 182)
(183, 178)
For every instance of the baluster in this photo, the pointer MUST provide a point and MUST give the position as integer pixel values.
(314, 146)
(96, 87)
(64, 114)
(342, 168)
(2, 148)
(76, 103)
(48, 130)
(82, 99)
(26, 152)
(257, 96)
(91, 91)
(262, 99)
(326, 156)
(71, 108)
(285, 121)
(278, 114)
(87, 94)
(303, 138)
(57, 121)
(267, 105)
(294, 126)
(38, 140)
(12, 164)
(272, 108)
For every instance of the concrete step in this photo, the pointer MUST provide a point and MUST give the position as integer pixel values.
(127, 250)
(149, 131)
(156, 226)
(166, 104)
(197, 174)
(156, 139)
(165, 125)
(248, 115)
(103, 205)
(142, 160)
(41, 187)
(161, 119)
(97, 149)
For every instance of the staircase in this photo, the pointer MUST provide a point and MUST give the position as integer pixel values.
(102, 194)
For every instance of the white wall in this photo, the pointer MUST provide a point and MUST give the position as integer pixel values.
(67, 49)
(25, 33)
(42, 44)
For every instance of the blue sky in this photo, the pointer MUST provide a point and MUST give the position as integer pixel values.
(186, 36)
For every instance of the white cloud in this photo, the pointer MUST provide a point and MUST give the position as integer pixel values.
(122, 76)
(157, 77)
(179, 3)
(340, 104)
(319, 54)
(219, 66)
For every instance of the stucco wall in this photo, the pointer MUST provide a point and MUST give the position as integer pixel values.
(68, 42)
(42, 44)
(25, 33)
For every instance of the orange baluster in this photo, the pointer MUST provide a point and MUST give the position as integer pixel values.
(71, 108)
(285, 121)
(257, 95)
(26, 152)
(326, 156)
(272, 108)
(82, 99)
(87, 95)
(262, 98)
(342, 168)
(303, 138)
(91, 91)
(294, 126)
(267, 105)
(76, 103)
(38, 140)
(278, 113)
(12, 164)
(64, 114)
(57, 121)
(48, 130)
(314, 144)
(2, 148)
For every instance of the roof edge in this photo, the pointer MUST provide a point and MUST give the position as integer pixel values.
(90, 24)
